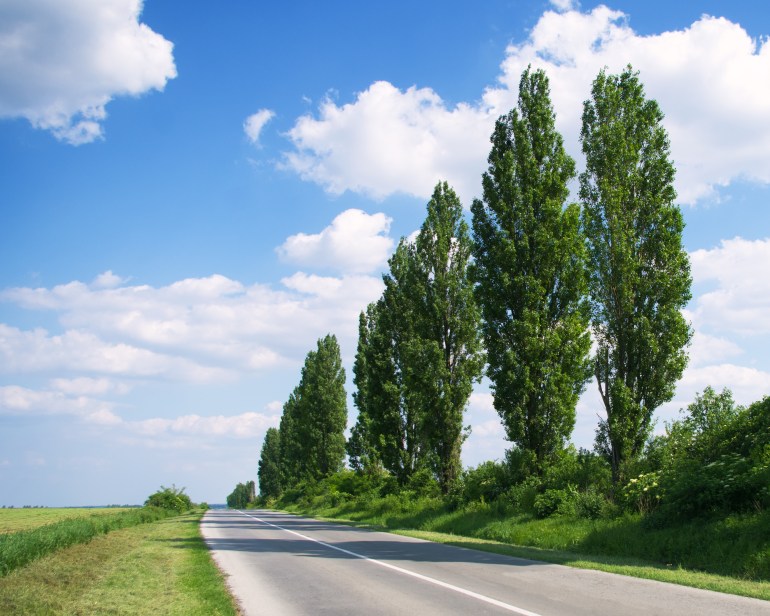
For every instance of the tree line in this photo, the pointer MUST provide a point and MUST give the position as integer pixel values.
(522, 295)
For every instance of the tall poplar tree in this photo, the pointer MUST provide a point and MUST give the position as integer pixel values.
(447, 319)
(530, 278)
(390, 423)
(269, 471)
(324, 408)
(312, 440)
(420, 351)
(639, 273)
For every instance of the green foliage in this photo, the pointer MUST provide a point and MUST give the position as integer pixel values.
(485, 483)
(269, 473)
(639, 273)
(642, 493)
(712, 462)
(530, 278)
(419, 353)
(19, 548)
(311, 434)
(172, 498)
(242, 496)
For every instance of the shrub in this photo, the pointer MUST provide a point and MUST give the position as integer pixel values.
(172, 498)
(642, 493)
(486, 482)
(556, 502)
(522, 496)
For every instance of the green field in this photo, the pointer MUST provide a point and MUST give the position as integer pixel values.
(161, 567)
(14, 520)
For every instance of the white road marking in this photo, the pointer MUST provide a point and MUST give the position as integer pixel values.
(425, 578)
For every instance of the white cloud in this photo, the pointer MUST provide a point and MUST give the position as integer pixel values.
(390, 141)
(62, 62)
(85, 386)
(194, 330)
(705, 77)
(245, 425)
(76, 350)
(15, 400)
(255, 123)
(354, 242)
(740, 303)
(487, 438)
(706, 349)
(107, 280)
(564, 5)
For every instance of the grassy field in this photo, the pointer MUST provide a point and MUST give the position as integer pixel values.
(162, 567)
(14, 520)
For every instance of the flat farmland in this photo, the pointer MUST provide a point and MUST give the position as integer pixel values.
(15, 520)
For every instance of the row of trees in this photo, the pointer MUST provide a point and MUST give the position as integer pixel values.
(242, 495)
(310, 442)
(538, 276)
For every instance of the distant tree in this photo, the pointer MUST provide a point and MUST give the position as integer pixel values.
(639, 273)
(362, 452)
(290, 445)
(170, 498)
(242, 495)
(311, 434)
(529, 272)
(269, 473)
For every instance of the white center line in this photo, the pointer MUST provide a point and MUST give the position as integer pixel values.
(419, 576)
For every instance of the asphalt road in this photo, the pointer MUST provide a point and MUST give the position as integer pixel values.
(284, 565)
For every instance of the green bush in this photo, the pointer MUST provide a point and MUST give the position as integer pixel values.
(486, 482)
(642, 493)
(172, 498)
(730, 484)
(556, 502)
(521, 497)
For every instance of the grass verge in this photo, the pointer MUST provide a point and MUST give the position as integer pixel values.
(20, 548)
(158, 568)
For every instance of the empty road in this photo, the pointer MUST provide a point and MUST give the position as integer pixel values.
(284, 565)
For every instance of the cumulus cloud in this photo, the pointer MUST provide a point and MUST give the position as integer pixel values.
(390, 141)
(705, 78)
(62, 62)
(355, 242)
(194, 330)
(15, 400)
(564, 5)
(740, 300)
(256, 122)
(38, 351)
(245, 425)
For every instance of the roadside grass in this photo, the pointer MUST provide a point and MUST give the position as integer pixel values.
(14, 520)
(730, 555)
(22, 547)
(158, 568)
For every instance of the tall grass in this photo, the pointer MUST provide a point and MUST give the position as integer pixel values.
(20, 548)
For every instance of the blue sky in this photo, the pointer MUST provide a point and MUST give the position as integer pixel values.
(191, 194)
